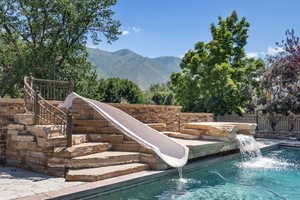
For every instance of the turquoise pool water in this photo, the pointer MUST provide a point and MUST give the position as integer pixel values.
(275, 176)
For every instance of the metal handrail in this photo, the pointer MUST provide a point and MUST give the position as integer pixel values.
(44, 112)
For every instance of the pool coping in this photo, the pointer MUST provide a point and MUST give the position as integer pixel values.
(92, 190)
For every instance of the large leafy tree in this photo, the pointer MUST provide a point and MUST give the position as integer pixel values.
(159, 94)
(47, 38)
(281, 82)
(116, 90)
(217, 76)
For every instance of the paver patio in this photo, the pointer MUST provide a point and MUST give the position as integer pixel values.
(16, 183)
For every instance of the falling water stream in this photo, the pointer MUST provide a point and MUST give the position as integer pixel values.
(249, 148)
(253, 158)
(180, 172)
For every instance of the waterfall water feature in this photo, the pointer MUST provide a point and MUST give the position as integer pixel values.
(252, 156)
(249, 148)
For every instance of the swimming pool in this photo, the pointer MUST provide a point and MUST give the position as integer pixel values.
(274, 176)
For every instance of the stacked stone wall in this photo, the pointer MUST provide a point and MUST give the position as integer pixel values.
(148, 114)
(153, 114)
(169, 115)
(8, 108)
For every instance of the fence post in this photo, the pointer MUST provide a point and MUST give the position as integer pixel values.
(36, 109)
(256, 119)
(69, 129)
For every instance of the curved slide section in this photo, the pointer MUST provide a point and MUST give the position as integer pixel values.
(173, 153)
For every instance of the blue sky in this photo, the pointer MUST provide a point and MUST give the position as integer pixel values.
(155, 28)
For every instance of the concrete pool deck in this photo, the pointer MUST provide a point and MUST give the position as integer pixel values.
(21, 184)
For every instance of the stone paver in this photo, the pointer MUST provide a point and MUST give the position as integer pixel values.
(16, 183)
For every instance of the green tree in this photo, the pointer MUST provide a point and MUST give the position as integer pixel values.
(159, 94)
(47, 38)
(116, 90)
(217, 76)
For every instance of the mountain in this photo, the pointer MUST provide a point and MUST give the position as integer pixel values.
(129, 65)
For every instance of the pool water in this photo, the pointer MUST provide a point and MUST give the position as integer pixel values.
(274, 176)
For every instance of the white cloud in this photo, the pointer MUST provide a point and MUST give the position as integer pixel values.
(136, 29)
(271, 51)
(129, 30)
(274, 50)
(125, 32)
(252, 54)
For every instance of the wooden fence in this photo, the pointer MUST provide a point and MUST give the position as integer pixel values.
(278, 126)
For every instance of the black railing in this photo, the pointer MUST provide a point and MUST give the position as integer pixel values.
(38, 92)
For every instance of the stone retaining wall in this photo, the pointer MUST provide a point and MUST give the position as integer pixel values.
(153, 114)
(8, 108)
(145, 113)
(169, 115)
(11, 106)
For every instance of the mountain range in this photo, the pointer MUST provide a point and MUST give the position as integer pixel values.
(127, 64)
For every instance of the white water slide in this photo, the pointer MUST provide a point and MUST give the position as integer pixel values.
(171, 152)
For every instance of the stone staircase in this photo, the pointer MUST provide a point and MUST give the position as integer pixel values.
(100, 173)
(99, 150)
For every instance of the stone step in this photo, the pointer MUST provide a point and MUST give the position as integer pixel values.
(22, 138)
(181, 135)
(103, 159)
(158, 126)
(45, 131)
(126, 138)
(91, 122)
(126, 147)
(111, 138)
(153, 161)
(132, 147)
(24, 118)
(224, 131)
(15, 127)
(96, 130)
(190, 131)
(192, 126)
(81, 149)
(100, 173)
(130, 142)
(207, 135)
(79, 139)
(49, 143)
(216, 125)
(60, 141)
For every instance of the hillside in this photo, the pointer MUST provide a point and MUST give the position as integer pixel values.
(127, 64)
